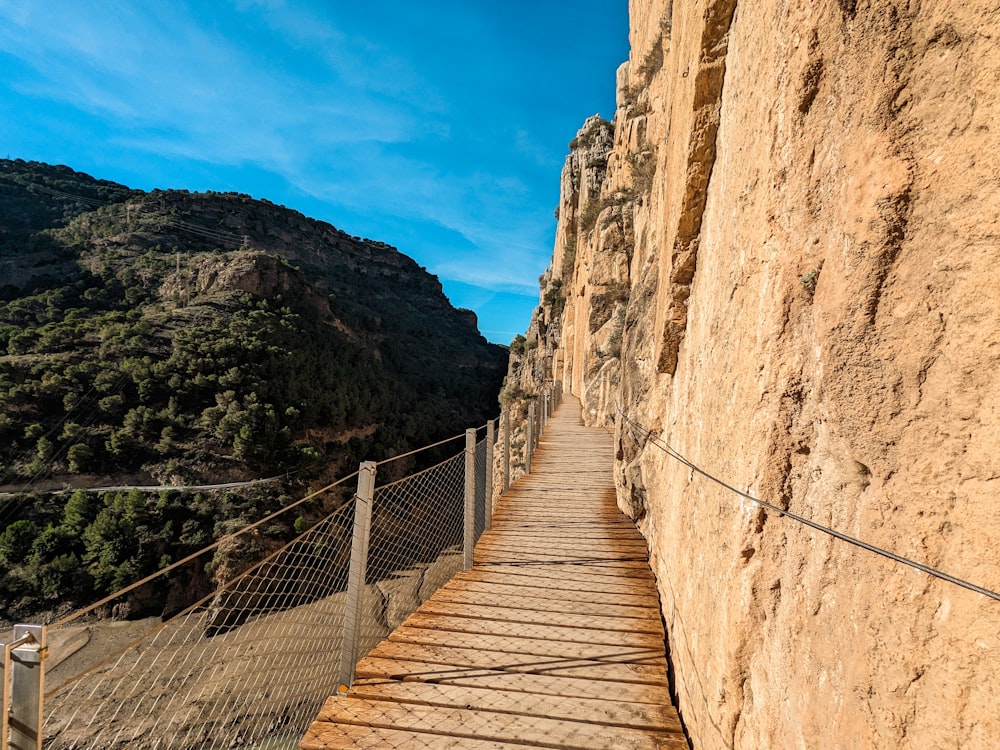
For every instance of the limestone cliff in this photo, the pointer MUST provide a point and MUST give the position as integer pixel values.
(781, 259)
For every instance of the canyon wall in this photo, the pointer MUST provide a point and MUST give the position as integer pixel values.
(781, 260)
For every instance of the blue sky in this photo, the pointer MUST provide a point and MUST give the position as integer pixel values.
(438, 126)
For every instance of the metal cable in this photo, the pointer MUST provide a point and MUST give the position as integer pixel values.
(219, 542)
(249, 659)
(420, 450)
(666, 448)
(255, 658)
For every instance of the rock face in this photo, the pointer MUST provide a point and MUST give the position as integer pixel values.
(792, 281)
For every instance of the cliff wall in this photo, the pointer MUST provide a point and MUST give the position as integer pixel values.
(781, 259)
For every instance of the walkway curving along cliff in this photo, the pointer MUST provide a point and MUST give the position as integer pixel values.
(553, 639)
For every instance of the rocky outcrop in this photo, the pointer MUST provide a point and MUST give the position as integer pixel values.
(788, 276)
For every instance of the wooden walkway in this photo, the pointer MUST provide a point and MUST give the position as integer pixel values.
(553, 639)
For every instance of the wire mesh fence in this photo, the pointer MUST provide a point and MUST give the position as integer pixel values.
(245, 664)
(481, 500)
(521, 425)
(415, 547)
(252, 661)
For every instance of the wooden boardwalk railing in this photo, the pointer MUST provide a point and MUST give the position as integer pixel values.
(553, 639)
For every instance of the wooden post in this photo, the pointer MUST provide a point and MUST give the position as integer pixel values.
(470, 498)
(356, 574)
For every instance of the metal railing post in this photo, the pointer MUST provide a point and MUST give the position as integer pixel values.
(23, 687)
(529, 438)
(506, 450)
(469, 542)
(356, 574)
(490, 439)
(545, 407)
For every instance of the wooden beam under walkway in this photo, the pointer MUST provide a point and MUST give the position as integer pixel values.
(553, 639)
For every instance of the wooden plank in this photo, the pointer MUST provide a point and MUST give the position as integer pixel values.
(496, 599)
(573, 548)
(562, 534)
(554, 593)
(534, 527)
(634, 570)
(597, 711)
(510, 614)
(459, 722)
(424, 619)
(512, 644)
(540, 497)
(606, 579)
(538, 491)
(538, 528)
(550, 511)
(567, 685)
(569, 548)
(505, 661)
(579, 567)
(323, 735)
(566, 532)
(536, 579)
(552, 501)
(612, 566)
(582, 566)
(582, 557)
(523, 521)
(549, 502)
(591, 488)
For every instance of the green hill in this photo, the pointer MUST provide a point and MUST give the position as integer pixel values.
(178, 338)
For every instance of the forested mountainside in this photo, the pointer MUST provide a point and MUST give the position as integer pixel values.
(184, 339)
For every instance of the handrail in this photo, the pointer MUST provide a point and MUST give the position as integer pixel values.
(194, 555)
(267, 647)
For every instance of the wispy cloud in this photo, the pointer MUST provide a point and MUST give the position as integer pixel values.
(433, 121)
